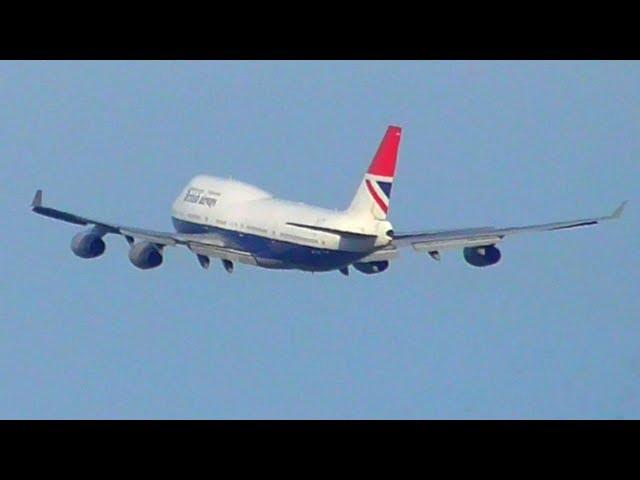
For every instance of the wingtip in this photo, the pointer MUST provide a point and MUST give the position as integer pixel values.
(617, 213)
(37, 199)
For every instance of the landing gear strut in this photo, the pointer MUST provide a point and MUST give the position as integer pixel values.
(204, 261)
(228, 265)
(435, 255)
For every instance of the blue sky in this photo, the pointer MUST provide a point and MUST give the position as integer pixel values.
(553, 331)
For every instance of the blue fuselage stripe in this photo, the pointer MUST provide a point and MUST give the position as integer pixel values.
(271, 253)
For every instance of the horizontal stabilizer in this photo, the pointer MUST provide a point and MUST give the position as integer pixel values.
(332, 230)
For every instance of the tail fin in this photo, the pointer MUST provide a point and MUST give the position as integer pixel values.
(373, 195)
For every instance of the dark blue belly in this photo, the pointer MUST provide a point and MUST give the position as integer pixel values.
(270, 253)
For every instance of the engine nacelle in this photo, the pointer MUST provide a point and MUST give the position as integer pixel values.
(88, 244)
(145, 255)
(371, 267)
(482, 256)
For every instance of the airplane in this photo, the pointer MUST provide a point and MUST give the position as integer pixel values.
(240, 223)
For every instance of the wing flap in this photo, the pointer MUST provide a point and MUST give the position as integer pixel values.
(387, 253)
(60, 215)
(221, 252)
(442, 244)
(159, 238)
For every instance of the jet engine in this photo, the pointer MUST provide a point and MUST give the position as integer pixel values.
(371, 267)
(145, 255)
(88, 244)
(482, 256)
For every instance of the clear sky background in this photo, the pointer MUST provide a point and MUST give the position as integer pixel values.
(553, 331)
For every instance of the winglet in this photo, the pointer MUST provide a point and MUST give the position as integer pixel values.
(37, 199)
(617, 213)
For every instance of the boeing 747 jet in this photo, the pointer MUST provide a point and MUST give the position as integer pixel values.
(240, 223)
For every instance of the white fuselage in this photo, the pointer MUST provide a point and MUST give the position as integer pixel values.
(233, 205)
(250, 219)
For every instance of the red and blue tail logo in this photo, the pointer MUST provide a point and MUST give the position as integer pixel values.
(373, 195)
(379, 177)
(380, 191)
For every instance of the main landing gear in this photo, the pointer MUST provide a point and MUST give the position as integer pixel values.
(228, 265)
(206, 261)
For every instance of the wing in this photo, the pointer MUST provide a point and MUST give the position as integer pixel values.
(199, 243)
(434, 241)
